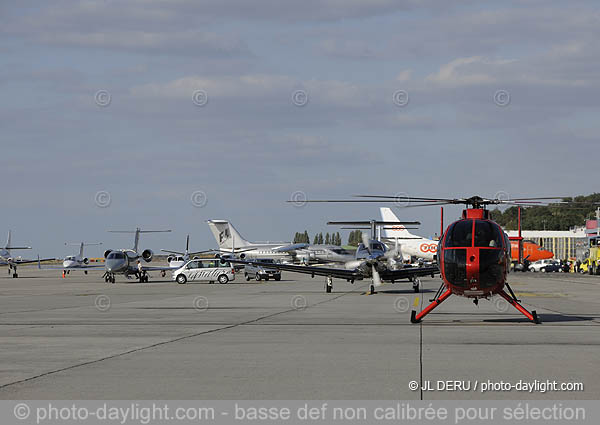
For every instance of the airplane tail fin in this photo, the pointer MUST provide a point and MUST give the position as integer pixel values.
(392, 231)
(226, 235)
(9, 246)
(81, 245)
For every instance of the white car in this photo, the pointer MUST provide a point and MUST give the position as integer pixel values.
(213, 270)
(539, 266)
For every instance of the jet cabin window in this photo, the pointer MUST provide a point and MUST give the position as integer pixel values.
(487, 235)
(460, 234)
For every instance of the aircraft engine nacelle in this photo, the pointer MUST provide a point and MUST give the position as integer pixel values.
(354, 264)
(242, 256)
(108, 251)
(170, 258)
(86, 261)
(147, 255)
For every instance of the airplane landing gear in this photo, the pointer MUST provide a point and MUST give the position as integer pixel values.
(372, 289)
(329, 284)
(15, 275)
(143, 277)
(416, 284)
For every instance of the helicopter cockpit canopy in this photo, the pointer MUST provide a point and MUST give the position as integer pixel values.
(487, 234)
(474, 244)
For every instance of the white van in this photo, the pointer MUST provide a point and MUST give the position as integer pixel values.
(205, 270)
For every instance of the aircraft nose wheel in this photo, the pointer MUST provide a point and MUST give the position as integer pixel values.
(15, 275)
(329, 285)
(416, 285)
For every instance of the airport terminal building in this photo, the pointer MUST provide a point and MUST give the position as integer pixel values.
(564, 244)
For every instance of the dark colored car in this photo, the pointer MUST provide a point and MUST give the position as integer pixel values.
(551, 268)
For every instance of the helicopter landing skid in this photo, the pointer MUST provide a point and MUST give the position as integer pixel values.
(512, 300)
(416, 318)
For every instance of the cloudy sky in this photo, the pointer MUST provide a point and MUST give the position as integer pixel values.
(118, 113)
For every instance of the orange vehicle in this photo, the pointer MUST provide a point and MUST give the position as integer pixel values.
(531, 251)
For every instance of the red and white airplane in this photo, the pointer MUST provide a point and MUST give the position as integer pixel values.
(410, 245)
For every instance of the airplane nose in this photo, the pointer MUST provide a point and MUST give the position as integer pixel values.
(114, 265)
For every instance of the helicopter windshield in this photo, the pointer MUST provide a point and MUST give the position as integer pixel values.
(487, 234)
(455, 266)
(460, 234)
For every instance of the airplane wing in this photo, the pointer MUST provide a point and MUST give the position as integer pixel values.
(159, 268)
(408, 272)
(84, 267)
(292, 247)
(350, 274)
(19, 262)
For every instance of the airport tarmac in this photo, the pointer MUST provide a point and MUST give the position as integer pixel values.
(80, 338)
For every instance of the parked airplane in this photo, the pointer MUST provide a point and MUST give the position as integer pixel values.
(128, 261)
(6, 258)
(412, 245)
(531, 251)
(77, 261)
(372, 260)
(231, 242)
(179, 258)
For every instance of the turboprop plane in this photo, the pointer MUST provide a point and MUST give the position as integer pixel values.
(372, 260)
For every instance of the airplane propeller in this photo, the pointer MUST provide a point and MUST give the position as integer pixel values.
(374, 273)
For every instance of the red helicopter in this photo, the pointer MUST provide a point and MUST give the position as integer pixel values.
(473, 253)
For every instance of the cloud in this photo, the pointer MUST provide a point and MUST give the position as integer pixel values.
(260, 88)
(475, 70)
